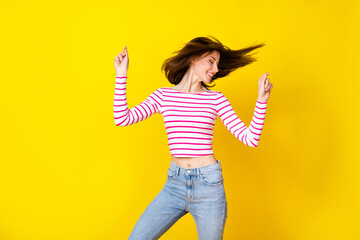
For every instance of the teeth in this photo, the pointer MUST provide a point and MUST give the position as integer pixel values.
(210, 75)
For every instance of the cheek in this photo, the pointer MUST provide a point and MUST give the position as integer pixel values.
(202, 68)
(206, 67)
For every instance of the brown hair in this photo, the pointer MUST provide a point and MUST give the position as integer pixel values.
(175, 67)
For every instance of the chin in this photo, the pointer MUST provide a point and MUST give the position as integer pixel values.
(207, 81)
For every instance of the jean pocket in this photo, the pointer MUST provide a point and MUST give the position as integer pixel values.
(212, 178)
(171, 174)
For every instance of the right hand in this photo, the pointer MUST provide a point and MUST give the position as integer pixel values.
(122, 61)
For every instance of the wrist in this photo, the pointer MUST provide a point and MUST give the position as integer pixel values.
(121, 74)
(262, 100)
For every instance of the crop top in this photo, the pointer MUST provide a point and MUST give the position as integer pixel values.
(189, 118)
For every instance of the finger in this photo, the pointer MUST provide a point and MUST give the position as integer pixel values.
(268, 86)
(269, 83)
(264, 76)
(262, 80)
(266, 83)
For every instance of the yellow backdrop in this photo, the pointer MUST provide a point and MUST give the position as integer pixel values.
(67, 172)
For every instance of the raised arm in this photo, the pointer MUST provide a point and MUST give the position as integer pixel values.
(124, 116)
(250, 136)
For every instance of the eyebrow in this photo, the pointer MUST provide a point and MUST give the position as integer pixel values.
(214, 59)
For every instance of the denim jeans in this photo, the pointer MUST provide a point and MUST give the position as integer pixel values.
(199, 191)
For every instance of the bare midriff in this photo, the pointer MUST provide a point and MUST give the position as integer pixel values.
(194, 162)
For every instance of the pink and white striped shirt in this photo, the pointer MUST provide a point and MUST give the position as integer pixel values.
(189, 118)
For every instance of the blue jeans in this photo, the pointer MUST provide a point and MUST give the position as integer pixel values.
(199, 191)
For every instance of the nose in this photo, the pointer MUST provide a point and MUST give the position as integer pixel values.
(216, 68)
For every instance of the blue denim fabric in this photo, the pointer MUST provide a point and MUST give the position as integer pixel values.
(199, 191)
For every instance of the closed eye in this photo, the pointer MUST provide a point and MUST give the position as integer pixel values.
(213, 63)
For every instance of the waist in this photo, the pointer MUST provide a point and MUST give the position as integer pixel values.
(196, 170)
(194, 162)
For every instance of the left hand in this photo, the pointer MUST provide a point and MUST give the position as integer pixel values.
(265, 87)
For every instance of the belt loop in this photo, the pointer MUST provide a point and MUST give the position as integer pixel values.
(220, 165)
(177, 171)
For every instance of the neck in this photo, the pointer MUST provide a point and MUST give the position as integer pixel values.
(190, 83)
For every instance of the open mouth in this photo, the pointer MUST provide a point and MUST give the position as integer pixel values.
(209, 75)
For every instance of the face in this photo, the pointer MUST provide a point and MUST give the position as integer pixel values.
(206, 66)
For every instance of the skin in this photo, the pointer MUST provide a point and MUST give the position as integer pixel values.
(191, 83)
(198, 72)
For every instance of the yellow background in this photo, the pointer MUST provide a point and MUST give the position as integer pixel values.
(67, 172)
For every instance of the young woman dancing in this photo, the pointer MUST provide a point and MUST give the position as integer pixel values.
(194, 179)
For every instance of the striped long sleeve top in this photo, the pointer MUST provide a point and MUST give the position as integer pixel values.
(189, 118)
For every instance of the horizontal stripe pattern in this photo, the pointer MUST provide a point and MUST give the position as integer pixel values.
(189, 122)
(189, 118)
(248, 135)
(124, 116)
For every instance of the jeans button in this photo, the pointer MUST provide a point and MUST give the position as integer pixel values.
(188, 171)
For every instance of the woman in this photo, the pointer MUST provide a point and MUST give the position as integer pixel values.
(194, 179)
